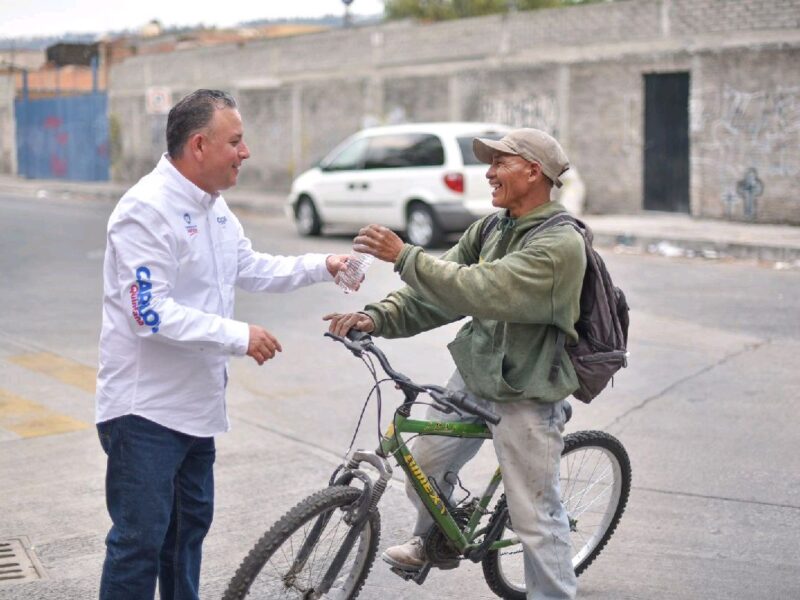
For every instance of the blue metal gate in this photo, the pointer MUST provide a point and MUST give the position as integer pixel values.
(63, 138)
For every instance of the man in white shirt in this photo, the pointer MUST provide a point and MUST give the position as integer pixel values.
(174, 254)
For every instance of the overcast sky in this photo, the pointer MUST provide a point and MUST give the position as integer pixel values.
(28, 18)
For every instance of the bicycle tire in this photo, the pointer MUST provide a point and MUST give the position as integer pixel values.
(575, 486)
(276, 582)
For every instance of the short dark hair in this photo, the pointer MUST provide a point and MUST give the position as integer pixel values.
(192, 113)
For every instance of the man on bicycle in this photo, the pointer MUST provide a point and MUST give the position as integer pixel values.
(519, 296)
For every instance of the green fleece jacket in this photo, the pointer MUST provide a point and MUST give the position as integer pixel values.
(518, 298)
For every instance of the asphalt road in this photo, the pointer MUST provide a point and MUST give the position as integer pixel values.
(706, 411)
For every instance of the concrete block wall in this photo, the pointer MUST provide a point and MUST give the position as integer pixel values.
(584, 25)
(427, 98)
(606, 134)
(436, 43)
(747, 132)
(716, 16)
(272, 144)
(576, 72)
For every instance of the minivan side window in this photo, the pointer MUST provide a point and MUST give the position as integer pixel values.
(404, 150)
(351, 157)
(465, 145)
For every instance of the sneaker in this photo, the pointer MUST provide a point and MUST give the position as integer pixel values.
(408, 557)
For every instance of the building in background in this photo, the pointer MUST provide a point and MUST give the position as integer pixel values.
(687, 106)
(54, 120)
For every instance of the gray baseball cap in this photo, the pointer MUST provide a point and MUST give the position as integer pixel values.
(531, 144)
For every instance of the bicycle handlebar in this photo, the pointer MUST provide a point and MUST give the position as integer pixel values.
(359, 342)
(461, 400)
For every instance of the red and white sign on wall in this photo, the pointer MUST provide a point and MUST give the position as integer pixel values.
(158, 100)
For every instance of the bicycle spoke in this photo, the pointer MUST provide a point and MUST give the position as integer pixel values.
(282, 576)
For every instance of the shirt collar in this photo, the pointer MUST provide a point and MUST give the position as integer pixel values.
(540, 213)
(168, 170)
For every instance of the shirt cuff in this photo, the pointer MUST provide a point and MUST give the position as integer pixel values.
(326, 276)
(408, 249)
(239, 333)
(376, 319)
(316, 264)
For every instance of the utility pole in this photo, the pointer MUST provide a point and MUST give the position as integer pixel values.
(347, 3)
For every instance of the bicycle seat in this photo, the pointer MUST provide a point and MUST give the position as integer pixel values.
(567, 411)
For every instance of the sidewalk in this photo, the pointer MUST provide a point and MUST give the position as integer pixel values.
(668, 234)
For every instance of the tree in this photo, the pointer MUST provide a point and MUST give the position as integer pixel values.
(441, 10)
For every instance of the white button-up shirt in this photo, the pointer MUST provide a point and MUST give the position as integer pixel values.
(174, 254)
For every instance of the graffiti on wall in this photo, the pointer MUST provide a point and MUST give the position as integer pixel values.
(748, 189)
(539, 111)
(755, 133)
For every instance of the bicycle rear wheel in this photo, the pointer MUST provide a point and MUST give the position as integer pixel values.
(595, 483)
(290, 560)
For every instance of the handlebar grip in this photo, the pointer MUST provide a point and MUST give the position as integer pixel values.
(462, 401)
(476, 409)
(357, 336)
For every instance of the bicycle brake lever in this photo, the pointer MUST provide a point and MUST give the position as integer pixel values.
(446, 408)
(354, 348)
(443, 404)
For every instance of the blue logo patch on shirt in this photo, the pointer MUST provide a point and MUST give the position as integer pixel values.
(140, 300)
(191, 229)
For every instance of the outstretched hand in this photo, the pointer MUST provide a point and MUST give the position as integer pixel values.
(342, 323)
(335, 263)
(379, 241)
(262, 345)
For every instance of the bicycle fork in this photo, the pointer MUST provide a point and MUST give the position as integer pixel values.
(356, 517)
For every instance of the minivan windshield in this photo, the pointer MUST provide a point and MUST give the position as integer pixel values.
(465, 144)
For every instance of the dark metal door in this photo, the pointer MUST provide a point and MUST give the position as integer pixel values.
(666, 148)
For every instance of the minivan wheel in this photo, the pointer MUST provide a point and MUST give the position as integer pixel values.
(421, 226)
(306, 218)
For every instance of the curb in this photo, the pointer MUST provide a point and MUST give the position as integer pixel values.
(707, 248)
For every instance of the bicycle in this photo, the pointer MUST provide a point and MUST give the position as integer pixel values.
(324, 547)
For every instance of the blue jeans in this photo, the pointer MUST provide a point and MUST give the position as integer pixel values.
(160, 496)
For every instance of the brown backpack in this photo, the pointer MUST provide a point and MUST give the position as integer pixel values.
(603, 323)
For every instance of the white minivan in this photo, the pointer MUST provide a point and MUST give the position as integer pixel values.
(420, 178)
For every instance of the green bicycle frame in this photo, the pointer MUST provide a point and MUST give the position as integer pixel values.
(393, 444)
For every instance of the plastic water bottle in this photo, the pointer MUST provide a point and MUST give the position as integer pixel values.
(357, 265)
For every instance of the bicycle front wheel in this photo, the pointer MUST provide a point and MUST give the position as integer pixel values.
(595, 479)
(291, 559)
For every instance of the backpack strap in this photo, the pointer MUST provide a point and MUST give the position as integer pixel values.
(487, 228)
(559, 219)
(553, 221)
(561, 339)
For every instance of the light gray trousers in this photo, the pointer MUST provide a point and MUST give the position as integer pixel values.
(528, 443)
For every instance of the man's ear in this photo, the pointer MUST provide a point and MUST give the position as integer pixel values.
(196, 145)
(534, 171)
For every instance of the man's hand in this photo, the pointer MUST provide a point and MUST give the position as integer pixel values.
(336, 263)
(342, 323)
(262, 345)
(379, 241)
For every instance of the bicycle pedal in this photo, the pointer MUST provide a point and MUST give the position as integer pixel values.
(416, 575)
(447, 565)
(406, 575)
